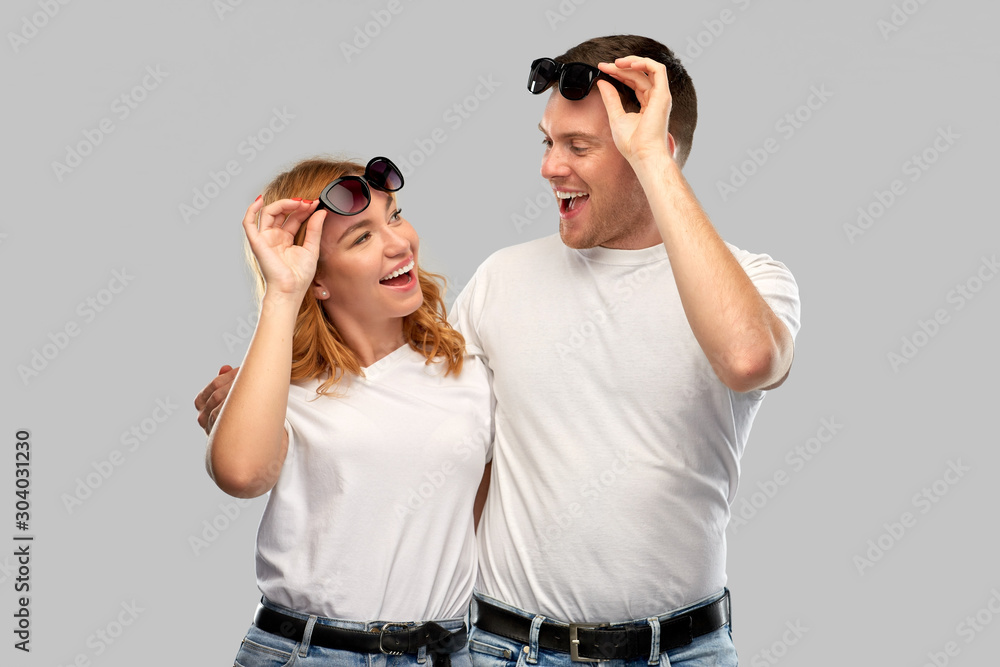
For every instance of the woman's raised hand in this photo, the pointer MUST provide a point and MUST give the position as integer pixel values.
(288, 269)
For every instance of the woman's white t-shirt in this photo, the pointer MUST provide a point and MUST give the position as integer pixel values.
(371, 517)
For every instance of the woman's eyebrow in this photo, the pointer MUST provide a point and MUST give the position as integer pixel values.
(390, 202)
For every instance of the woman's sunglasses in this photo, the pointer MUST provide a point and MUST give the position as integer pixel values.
(575, 79)
(349, 195)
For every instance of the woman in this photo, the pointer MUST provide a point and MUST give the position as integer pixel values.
(373, 454)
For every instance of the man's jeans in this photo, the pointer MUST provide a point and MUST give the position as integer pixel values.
(714, 649)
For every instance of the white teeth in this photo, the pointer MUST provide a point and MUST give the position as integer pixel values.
(569, 195)
(398, 272)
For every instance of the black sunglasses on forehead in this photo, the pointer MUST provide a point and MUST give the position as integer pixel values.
(575, 79)
(349, 195)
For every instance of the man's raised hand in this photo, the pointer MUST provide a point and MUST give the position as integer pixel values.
(643, 134)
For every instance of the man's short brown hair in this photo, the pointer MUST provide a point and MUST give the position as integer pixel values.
(684, 108)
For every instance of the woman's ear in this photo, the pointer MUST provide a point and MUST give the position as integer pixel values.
(319, 292)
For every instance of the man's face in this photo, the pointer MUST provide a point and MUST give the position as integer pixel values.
(609, 207)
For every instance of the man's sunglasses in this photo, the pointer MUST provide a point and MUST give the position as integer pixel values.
(349, 195)
(575, 79)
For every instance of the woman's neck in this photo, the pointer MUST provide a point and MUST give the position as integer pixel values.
(372, 342)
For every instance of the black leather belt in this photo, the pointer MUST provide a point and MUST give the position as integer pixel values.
(590, 642)
(391, 638)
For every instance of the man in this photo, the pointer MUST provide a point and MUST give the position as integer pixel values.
(629, 357)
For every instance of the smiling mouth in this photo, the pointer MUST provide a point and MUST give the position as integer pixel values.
(570, 200)
(401, 276)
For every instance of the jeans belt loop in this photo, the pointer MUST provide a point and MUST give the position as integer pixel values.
(729, 607)
(654, 642)
(536, 626)
(307, 637)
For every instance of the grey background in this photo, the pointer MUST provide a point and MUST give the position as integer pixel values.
(184, 310)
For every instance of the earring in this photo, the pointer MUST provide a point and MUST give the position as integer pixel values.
(325, 294)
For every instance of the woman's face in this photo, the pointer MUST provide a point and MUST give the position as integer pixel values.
(368, 265)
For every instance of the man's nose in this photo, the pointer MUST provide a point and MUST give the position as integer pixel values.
(554, 164)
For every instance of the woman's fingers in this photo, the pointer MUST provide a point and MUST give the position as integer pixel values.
(314, 232)
(271, 231)
(250, 219)
(286, 214)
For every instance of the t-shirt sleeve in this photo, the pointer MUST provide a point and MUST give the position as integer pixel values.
(464, 317)
(776, 285)
(493, 412)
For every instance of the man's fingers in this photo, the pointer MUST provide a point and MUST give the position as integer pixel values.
(203, 422)
(209, 412)
(202, 397)
(648, 66)
(212, 418)
(207, 418)
(612, 101)
(639, 82)
(640, 74)
(225, 377)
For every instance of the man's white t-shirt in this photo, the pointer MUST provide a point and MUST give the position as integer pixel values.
(371, 517)
(617, 449)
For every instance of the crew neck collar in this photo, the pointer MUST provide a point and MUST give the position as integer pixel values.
(624, 257)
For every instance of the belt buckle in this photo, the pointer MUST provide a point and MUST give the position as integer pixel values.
(574, 641)
(382, 634)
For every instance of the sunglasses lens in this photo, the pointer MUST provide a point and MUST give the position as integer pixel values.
(576, 81)
(543, 72)
(349, 196)
(384, 175)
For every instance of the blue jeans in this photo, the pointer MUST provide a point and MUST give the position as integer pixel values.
(262, 649)
(714, 649)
